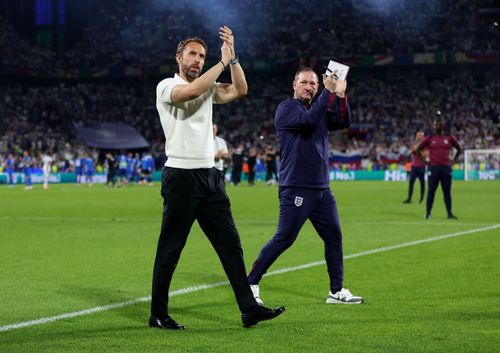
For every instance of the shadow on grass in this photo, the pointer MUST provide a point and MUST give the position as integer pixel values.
(200, 319)
(139, 313)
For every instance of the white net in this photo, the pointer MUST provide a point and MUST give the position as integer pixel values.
(482, 164)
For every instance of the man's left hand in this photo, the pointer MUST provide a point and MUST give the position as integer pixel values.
(226, 34)
(340, 88)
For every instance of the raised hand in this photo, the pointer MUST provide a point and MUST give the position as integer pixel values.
(225, 54)
(329, 82)
(340, 88)
(334, 85)
(226, 34)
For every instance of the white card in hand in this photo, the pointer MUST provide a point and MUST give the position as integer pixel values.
(342, 69)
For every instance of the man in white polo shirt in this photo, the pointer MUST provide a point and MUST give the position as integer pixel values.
(221, 153)
(192, 189)
(47, 161)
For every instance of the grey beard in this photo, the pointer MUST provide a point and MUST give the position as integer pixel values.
(192, 74)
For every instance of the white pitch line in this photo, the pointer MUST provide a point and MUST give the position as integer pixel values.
(218, 284)
(418, 223)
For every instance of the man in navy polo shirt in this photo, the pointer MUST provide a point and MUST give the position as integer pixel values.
(440, 146)
(304, 191)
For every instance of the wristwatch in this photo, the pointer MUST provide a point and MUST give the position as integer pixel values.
(234, 61)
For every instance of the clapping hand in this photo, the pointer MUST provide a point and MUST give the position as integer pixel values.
(226, 34)
(334, 85)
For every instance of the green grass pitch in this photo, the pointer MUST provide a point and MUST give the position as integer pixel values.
(69, 249)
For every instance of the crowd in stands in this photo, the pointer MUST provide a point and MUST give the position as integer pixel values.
(146, 32)
(387, 111)
(388, 105)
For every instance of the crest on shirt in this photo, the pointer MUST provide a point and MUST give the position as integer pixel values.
(298, 201)
(445, 142)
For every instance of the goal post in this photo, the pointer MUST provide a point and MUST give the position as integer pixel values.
(482, 164)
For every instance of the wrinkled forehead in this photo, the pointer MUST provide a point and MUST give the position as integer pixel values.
(307, 76)
(194, 47)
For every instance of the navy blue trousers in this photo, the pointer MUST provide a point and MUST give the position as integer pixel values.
(296, 206)
(439, 174)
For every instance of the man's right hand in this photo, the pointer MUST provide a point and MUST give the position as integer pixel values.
(225, 53)
(334, 85)
(330, 82)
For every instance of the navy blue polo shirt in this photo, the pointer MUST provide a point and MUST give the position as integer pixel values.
(303, 136)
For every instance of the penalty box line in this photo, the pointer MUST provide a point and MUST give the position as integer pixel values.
(200, 287)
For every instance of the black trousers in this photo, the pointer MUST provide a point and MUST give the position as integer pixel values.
(439, 174)
(110, 177)
(417, 173)
(271, 170)
(251, 176)
(236, 174)
(189, 195)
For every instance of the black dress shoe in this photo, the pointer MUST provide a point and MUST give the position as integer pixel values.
(167, 323)
(406, 201)
(260, 313)
(452, 216)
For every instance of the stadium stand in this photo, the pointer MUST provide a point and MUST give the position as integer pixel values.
(107, 75)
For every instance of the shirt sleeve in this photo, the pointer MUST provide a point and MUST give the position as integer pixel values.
(454, 140)
(424, 143)
(214, 91)
(292, 116)
(338, 115)
(164, 90)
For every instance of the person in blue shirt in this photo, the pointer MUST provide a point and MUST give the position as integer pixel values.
(147, 168)
(130, 167)
(27, 163)
(10, 164)
(122, 169)
(304, 183)
(88, 166)
(136, 170)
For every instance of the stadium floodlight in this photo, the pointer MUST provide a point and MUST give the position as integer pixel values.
(482, 164)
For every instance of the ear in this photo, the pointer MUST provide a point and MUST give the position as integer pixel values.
(178, 58)
(294, 85)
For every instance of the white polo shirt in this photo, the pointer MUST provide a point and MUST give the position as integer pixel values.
(46, 161)
(189, 140)
(220, 146)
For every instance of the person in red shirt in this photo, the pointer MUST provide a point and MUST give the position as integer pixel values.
(439, 146)
(417, 170)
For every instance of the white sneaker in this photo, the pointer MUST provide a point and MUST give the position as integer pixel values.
(256, 293)
(343, 296)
